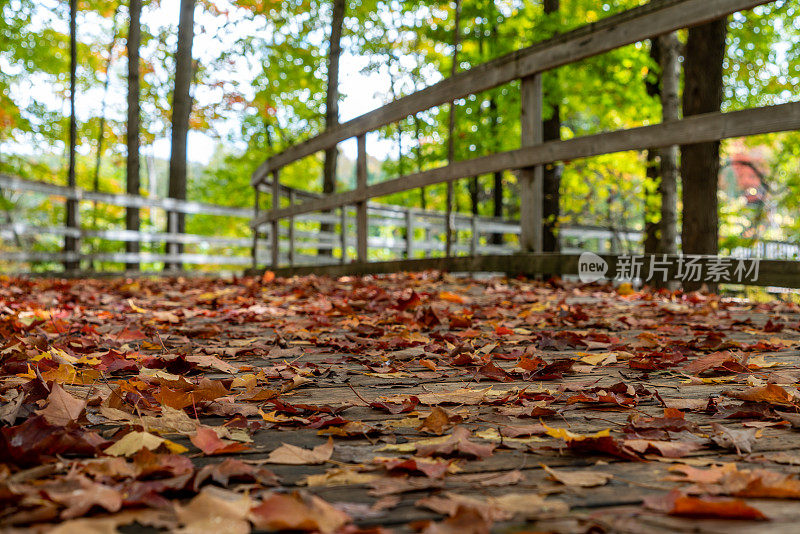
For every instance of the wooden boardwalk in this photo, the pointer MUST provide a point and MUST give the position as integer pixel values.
(451, 403)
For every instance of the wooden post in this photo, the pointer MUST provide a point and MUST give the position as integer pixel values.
(361, 207)
(291, 230)
(73, 244)
(256, 206)
(343, 232)
(409, 233)
(530, 178)
(274, 230)
(172, 245)
(473, 244)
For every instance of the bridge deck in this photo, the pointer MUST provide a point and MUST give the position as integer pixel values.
(559, 408)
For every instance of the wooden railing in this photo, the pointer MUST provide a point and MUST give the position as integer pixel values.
(526, 65)
(25, 241)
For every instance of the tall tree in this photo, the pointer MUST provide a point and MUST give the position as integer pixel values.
(652, 220)
(551, 177)
(702, 93)
(332, 103)
(132, 134)
(669, 46)
(181, 108)
(494, 118)
(451, 150)
(71, 244)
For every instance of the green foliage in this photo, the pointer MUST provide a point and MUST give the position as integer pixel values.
(261, 89)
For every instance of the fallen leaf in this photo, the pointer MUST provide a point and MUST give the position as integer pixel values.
(729, 438)
(208, 441)
(298, 511)
(293, 455)
(581, 479)
(133, 442)
(62, 407)
(457, 442)
(215, 510)
(675, 503)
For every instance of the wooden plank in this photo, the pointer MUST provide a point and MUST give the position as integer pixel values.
(777, 273)
(695, 129)
(531, 178)
(361, 206)
(651, 19)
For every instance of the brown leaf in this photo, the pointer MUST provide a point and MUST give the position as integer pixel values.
(298, 511)
(581, 479)
(760, 484)
(208, 441)
(79, 494)
(438, 421)
(464, 521)
(431, 467)
(714, 360)
(771, 394)
(216, 510)
(675, 503)
(458, 442)
(62, 407)
(293, 455)
(729, 438)
(231, 468)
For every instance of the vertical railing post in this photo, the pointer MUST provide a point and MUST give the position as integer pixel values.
(256, 208)
(274, 227)
(409, 233)
(473, 243)
(343, 233)
(531, 178)
(72, 244)
(291, 230)
(172, 245)
(361, 206)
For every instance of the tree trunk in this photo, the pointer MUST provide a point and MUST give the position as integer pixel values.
(551, 177)
(449, 231)
(332, 106)
(652, 220)
(71, 244)
(132, 133)
(101, 130)
(669, 45)
(702, 93)
(181, 109)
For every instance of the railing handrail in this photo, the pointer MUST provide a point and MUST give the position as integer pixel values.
(122, 199)
(694, 129)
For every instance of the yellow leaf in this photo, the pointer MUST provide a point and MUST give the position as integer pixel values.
(136, 308)
(133, 442)
(566, 435)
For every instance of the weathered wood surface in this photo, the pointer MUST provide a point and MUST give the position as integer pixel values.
(347, 343)
(695, 129)
(652, 19)
(778, 273)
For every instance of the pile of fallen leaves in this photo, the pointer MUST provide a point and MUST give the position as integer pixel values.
(419, 400)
